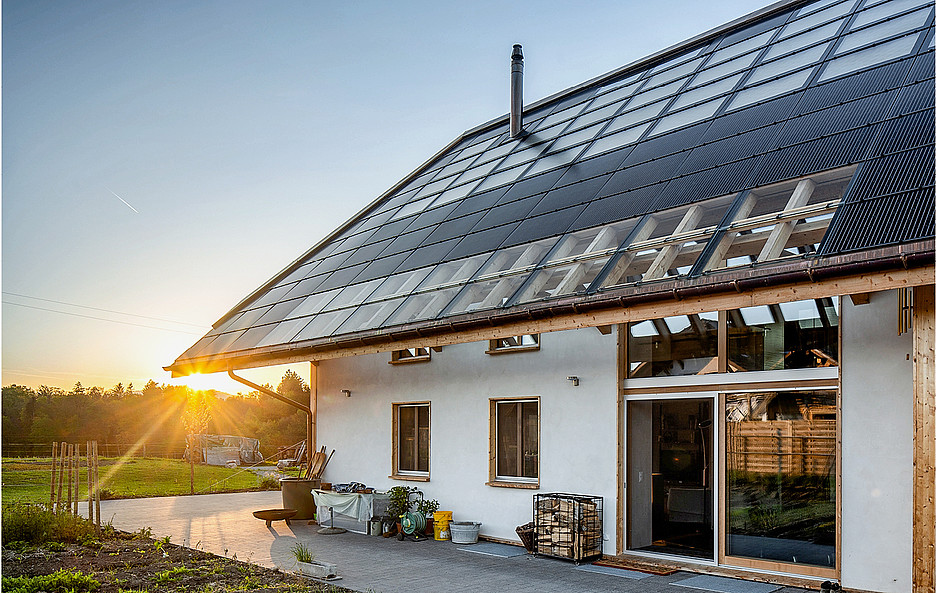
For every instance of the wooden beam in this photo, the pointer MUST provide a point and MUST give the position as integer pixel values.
(312, 443)
(924, 440)
(781, 233)
(604, 329)
(718, 259)
(668, 253)
(860, 298)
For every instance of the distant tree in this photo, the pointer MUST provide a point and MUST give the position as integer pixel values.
(294, 387)
(77, 389)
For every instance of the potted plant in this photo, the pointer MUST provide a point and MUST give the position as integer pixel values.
(400, 502)
(428, 507)
(311, 567)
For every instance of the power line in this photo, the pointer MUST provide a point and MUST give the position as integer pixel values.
(26, 296)
(166, 329)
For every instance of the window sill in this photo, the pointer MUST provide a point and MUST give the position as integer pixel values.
(410, 360)
(409, 478)
(502, 484)
(511, 350)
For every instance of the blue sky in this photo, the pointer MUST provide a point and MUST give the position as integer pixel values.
(163, 159)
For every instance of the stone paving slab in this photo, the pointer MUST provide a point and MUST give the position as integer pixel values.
(223, 524)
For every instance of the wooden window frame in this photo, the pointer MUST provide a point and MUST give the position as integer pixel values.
(397, 473)
(495, 347)
(507, 481)
(410, 355)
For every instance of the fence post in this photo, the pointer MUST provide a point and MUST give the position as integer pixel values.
(54, 458)
(61, 475)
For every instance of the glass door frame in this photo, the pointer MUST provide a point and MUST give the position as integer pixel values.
(721, 531)
(714, 398)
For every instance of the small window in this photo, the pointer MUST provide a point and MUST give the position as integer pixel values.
(514, 344)
(408, 355)
(515, 442)
(411, 441)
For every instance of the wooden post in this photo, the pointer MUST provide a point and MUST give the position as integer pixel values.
(90, 483)
(312, 426)
(191, 457)
(61, 475)
(70, 470)
(54, 463)
(77, 479)
(924, 440)
(97, 488)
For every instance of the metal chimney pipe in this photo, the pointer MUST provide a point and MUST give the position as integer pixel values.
(516, 91)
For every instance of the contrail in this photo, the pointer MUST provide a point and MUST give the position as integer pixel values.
(123, 200)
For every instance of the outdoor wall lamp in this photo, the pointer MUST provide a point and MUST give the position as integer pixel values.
(346, 392)
(574, 379)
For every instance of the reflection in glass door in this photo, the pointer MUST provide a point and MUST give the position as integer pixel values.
(780, 452)
(669, 476)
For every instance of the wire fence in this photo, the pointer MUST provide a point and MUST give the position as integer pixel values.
(163, 450)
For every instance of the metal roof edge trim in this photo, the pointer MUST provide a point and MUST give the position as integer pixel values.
(907, 256)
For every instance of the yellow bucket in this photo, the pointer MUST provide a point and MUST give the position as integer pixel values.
(440, 525)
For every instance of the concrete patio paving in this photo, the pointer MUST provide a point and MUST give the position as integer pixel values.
(223, 524)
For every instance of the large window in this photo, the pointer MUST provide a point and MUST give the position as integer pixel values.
(781, 477)
(797, 335)
(793, 335)
(411, 440)
(515, 442)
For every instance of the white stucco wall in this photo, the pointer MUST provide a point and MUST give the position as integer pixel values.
(577, 432)
(877, 447)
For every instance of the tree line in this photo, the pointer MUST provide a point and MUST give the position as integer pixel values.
(154, 414)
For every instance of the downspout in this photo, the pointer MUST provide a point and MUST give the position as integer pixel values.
(309, 443)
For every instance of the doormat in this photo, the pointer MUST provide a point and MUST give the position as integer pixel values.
(636, 565)
(725, 585)
(492, 549)
(615, 572)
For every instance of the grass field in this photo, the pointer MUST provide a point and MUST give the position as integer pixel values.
(28, 479)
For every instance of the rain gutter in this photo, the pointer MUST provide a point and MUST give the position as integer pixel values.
(309, 421)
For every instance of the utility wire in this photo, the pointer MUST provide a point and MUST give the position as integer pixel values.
(166, 329)
(26, 296)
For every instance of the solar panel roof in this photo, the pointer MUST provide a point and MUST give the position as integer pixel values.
(801, 133)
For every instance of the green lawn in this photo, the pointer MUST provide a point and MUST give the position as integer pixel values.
(28, 480)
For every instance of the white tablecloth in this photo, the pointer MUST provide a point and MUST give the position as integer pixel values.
(357, 505)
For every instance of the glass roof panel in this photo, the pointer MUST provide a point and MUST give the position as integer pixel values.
(370, 315)
(787, 64)
(687, 116)
(883, 30)
(742, 47)
(885, 10)
(610, 141)
(816, 18)
(723, 69)
(759, 93)
(284, 331)
(323, 324)
(426, 305)
(314, 303)
(353, 295)
(399, 284)
(706, 92)
(871, 56)
(825, 32)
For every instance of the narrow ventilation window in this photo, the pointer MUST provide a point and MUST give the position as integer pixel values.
(524, 343)
(779, 221)
(408, 355)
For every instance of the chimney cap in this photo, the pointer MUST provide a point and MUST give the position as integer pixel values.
(517, 52)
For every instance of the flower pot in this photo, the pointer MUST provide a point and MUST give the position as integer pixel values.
(318, 570)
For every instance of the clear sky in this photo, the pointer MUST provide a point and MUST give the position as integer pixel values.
(162, 159)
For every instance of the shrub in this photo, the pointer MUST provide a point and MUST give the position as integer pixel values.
(269, 482)
(60, 581)
(302, 553)
(37, 524)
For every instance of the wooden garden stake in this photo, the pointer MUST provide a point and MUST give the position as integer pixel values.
(97, 489)
(90, 483)
(61, 476)
(70, 470)
(54, 459)
(77, 479)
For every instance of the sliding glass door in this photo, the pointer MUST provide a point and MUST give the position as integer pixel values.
(779, 494)
(670, 471)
